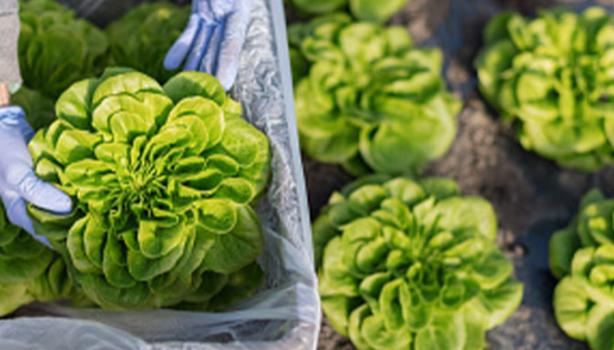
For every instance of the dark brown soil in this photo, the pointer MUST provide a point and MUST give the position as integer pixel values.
(532, 196)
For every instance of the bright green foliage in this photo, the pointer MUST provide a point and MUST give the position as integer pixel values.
(552, 76)
(38, 108)
(162, 179)
(55, 48)
(21, 260)
(412, 265)
(141, 38)
(366, 10)
(378, 11)
(371, 100)
(28, 270)
(582, 256)
(320, 7)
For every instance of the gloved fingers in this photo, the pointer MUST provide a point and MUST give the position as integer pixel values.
(27, 133)
(199, 6)
(221, 8)
(43, 195)
(212, 11)
(200, 47)
(210, 61)
(14, 118)
(202, 8)
(244, 9)
(232, 44)
(18, 216)
(178, 52)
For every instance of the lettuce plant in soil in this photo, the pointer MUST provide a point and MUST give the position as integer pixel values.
(407, 264)
(551, 78)
(56, 48)
(369, 99)
(141, 38)
(582, 257)
(163, 180)
(366, 10)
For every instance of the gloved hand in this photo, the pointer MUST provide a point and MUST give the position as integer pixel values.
(213, 39)
(18, 183)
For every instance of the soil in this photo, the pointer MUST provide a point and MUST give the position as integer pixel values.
(532, 196)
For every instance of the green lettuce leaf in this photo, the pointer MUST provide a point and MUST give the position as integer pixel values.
(29, 271)
(141, 38)
(163, 179)
(38, 108)
(550, 76)
(56, 49)
(408, 264)
(366, 10)
(582, 257)
(370, 99)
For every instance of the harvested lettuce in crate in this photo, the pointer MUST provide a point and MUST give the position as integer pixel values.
(163, 180)
(407, 264)
(141, 38)
(283, 314)
(371, 100)
(552, 78)
(367, 10)
(56, 49)
(582, 257)
(39, 109)
(29, 271)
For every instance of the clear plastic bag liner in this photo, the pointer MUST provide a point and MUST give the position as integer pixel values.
(57, 333)
(285, 314)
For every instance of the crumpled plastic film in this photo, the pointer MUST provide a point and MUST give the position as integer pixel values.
(58, 334)
(286, 314)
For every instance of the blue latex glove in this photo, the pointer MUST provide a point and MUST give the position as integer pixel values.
(213, 39)
(18, 183)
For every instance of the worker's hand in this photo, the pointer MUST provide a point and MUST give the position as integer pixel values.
(213, 39)
(18, 183)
